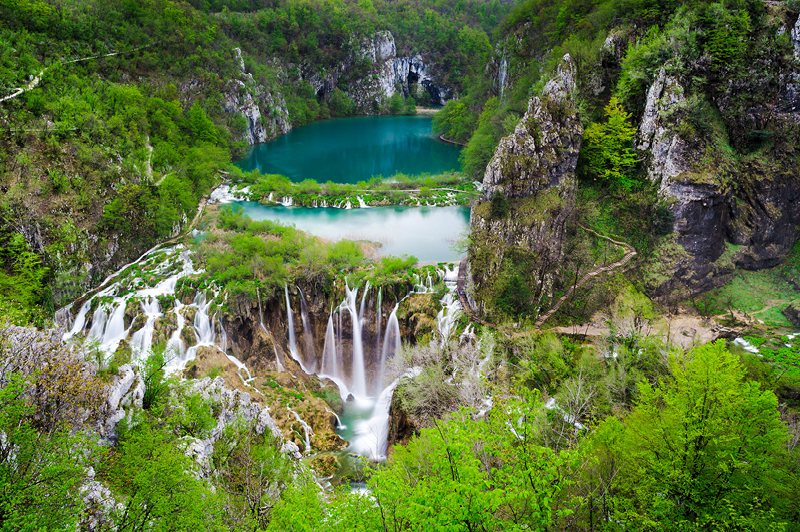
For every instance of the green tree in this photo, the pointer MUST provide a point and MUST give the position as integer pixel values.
(21, 272)
(700, 448)
(607, 151)
(200, 125)
(156, 484)
(41, 467)
(396, 103)
(410, 107)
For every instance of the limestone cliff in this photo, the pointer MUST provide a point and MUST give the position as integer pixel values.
(533, 172)
(384, 73)
(723, 163)
(696, 195)
(263, 107)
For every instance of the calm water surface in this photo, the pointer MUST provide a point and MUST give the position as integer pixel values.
(349, 150)
(424, 232)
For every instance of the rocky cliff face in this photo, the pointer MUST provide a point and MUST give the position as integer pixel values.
(533, 170)
(695, 194)
(385, 75)
(729, 210)
(264, 109)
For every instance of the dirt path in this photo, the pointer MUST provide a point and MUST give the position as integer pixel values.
(630, 253)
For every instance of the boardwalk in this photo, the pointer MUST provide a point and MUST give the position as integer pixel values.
(462, 296)
(630, 253)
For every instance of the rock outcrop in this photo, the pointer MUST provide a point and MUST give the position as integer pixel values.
(264, 108)
(696, 195)
(388, 73)
(533, 173)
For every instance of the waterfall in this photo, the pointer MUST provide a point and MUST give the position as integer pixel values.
(109, 331)
(203, 330)
(339, 347)
(339, 425)
(391, 343)
(98, 324)
(142, 340)
(379, 317)
(308, 336)
(330, 365)
(451, 305)
(447, 316)
(80, 321)
(359, 386)
(361, 203)
(290, 325)
(372, 434)
(361, 309)
(306, 429)
(175, 347)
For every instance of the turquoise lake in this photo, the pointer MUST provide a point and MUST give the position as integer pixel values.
(349, 150)
(427, 233)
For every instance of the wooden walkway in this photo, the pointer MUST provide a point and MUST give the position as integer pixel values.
(462, 296)
(630, 252)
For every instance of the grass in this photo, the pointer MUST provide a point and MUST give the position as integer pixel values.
(761, 294)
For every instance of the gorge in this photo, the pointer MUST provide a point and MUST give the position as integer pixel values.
(331, 265)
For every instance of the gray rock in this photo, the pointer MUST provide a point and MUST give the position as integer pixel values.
(534, 168)
(792, 313)
(668, 151)
(543, 150)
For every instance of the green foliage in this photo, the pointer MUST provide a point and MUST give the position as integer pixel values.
(340, 104)
(410, 106)
(252, 472)
(494, 123)
(21, 274)
(41, 469)
(155, 384)
(389, 268)
(607, 149)
(701, 447)
(157, 484)
(498, 206)
(464, 474)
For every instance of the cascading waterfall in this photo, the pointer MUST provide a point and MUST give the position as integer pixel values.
(142, 340)
(372, 434)
(359, 385)
(447, 316)
(391, 343)
(339, 424)
(308, 336)
(307, 432)
(330, 366)
(290, 325)
(378, 317)
(108, 321)
(175, 346)
(80, 321)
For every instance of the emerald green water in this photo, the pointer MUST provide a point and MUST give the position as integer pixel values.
(427, 233)
(349, 150)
